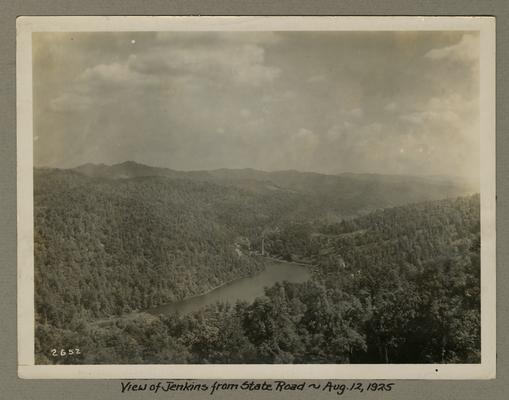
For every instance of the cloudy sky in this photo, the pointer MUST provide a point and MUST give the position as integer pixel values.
(332, 102)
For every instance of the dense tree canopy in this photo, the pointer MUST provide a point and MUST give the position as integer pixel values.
(397, 284)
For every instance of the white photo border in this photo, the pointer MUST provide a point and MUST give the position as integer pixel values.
(25, 250)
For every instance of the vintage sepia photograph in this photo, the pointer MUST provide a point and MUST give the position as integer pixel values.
(223, 194)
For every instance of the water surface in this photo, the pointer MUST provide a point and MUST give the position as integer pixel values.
(246, 289)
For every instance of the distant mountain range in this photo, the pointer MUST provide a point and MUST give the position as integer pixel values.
(355, 192)
(132, 169)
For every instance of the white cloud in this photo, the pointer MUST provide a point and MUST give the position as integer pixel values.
(451, 110)
(303, 133)
(335, 132)
(204, 100)
(162, 68)
(466, 50)
(279, 97)
(317, 79)
(439, 116)
(356, 113)
(98, 85)
(114, 75)
(414, 117)
(392, 106)
(374, 128)
(255, 74)
(71, 102)
(305, 140)
(256, 123)
(240, 63)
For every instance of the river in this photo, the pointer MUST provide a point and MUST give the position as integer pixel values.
(246, 289)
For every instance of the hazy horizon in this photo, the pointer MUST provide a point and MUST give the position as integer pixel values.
(389, 103)
(458, 177)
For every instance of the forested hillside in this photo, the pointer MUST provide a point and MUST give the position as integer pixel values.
(331, 196)
(399, 284)
(413, 270)
(107, 247)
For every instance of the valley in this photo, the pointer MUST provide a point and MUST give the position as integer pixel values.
(394, 276)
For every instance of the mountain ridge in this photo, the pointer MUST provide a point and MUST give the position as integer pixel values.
(336, 195)
(93, 167)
